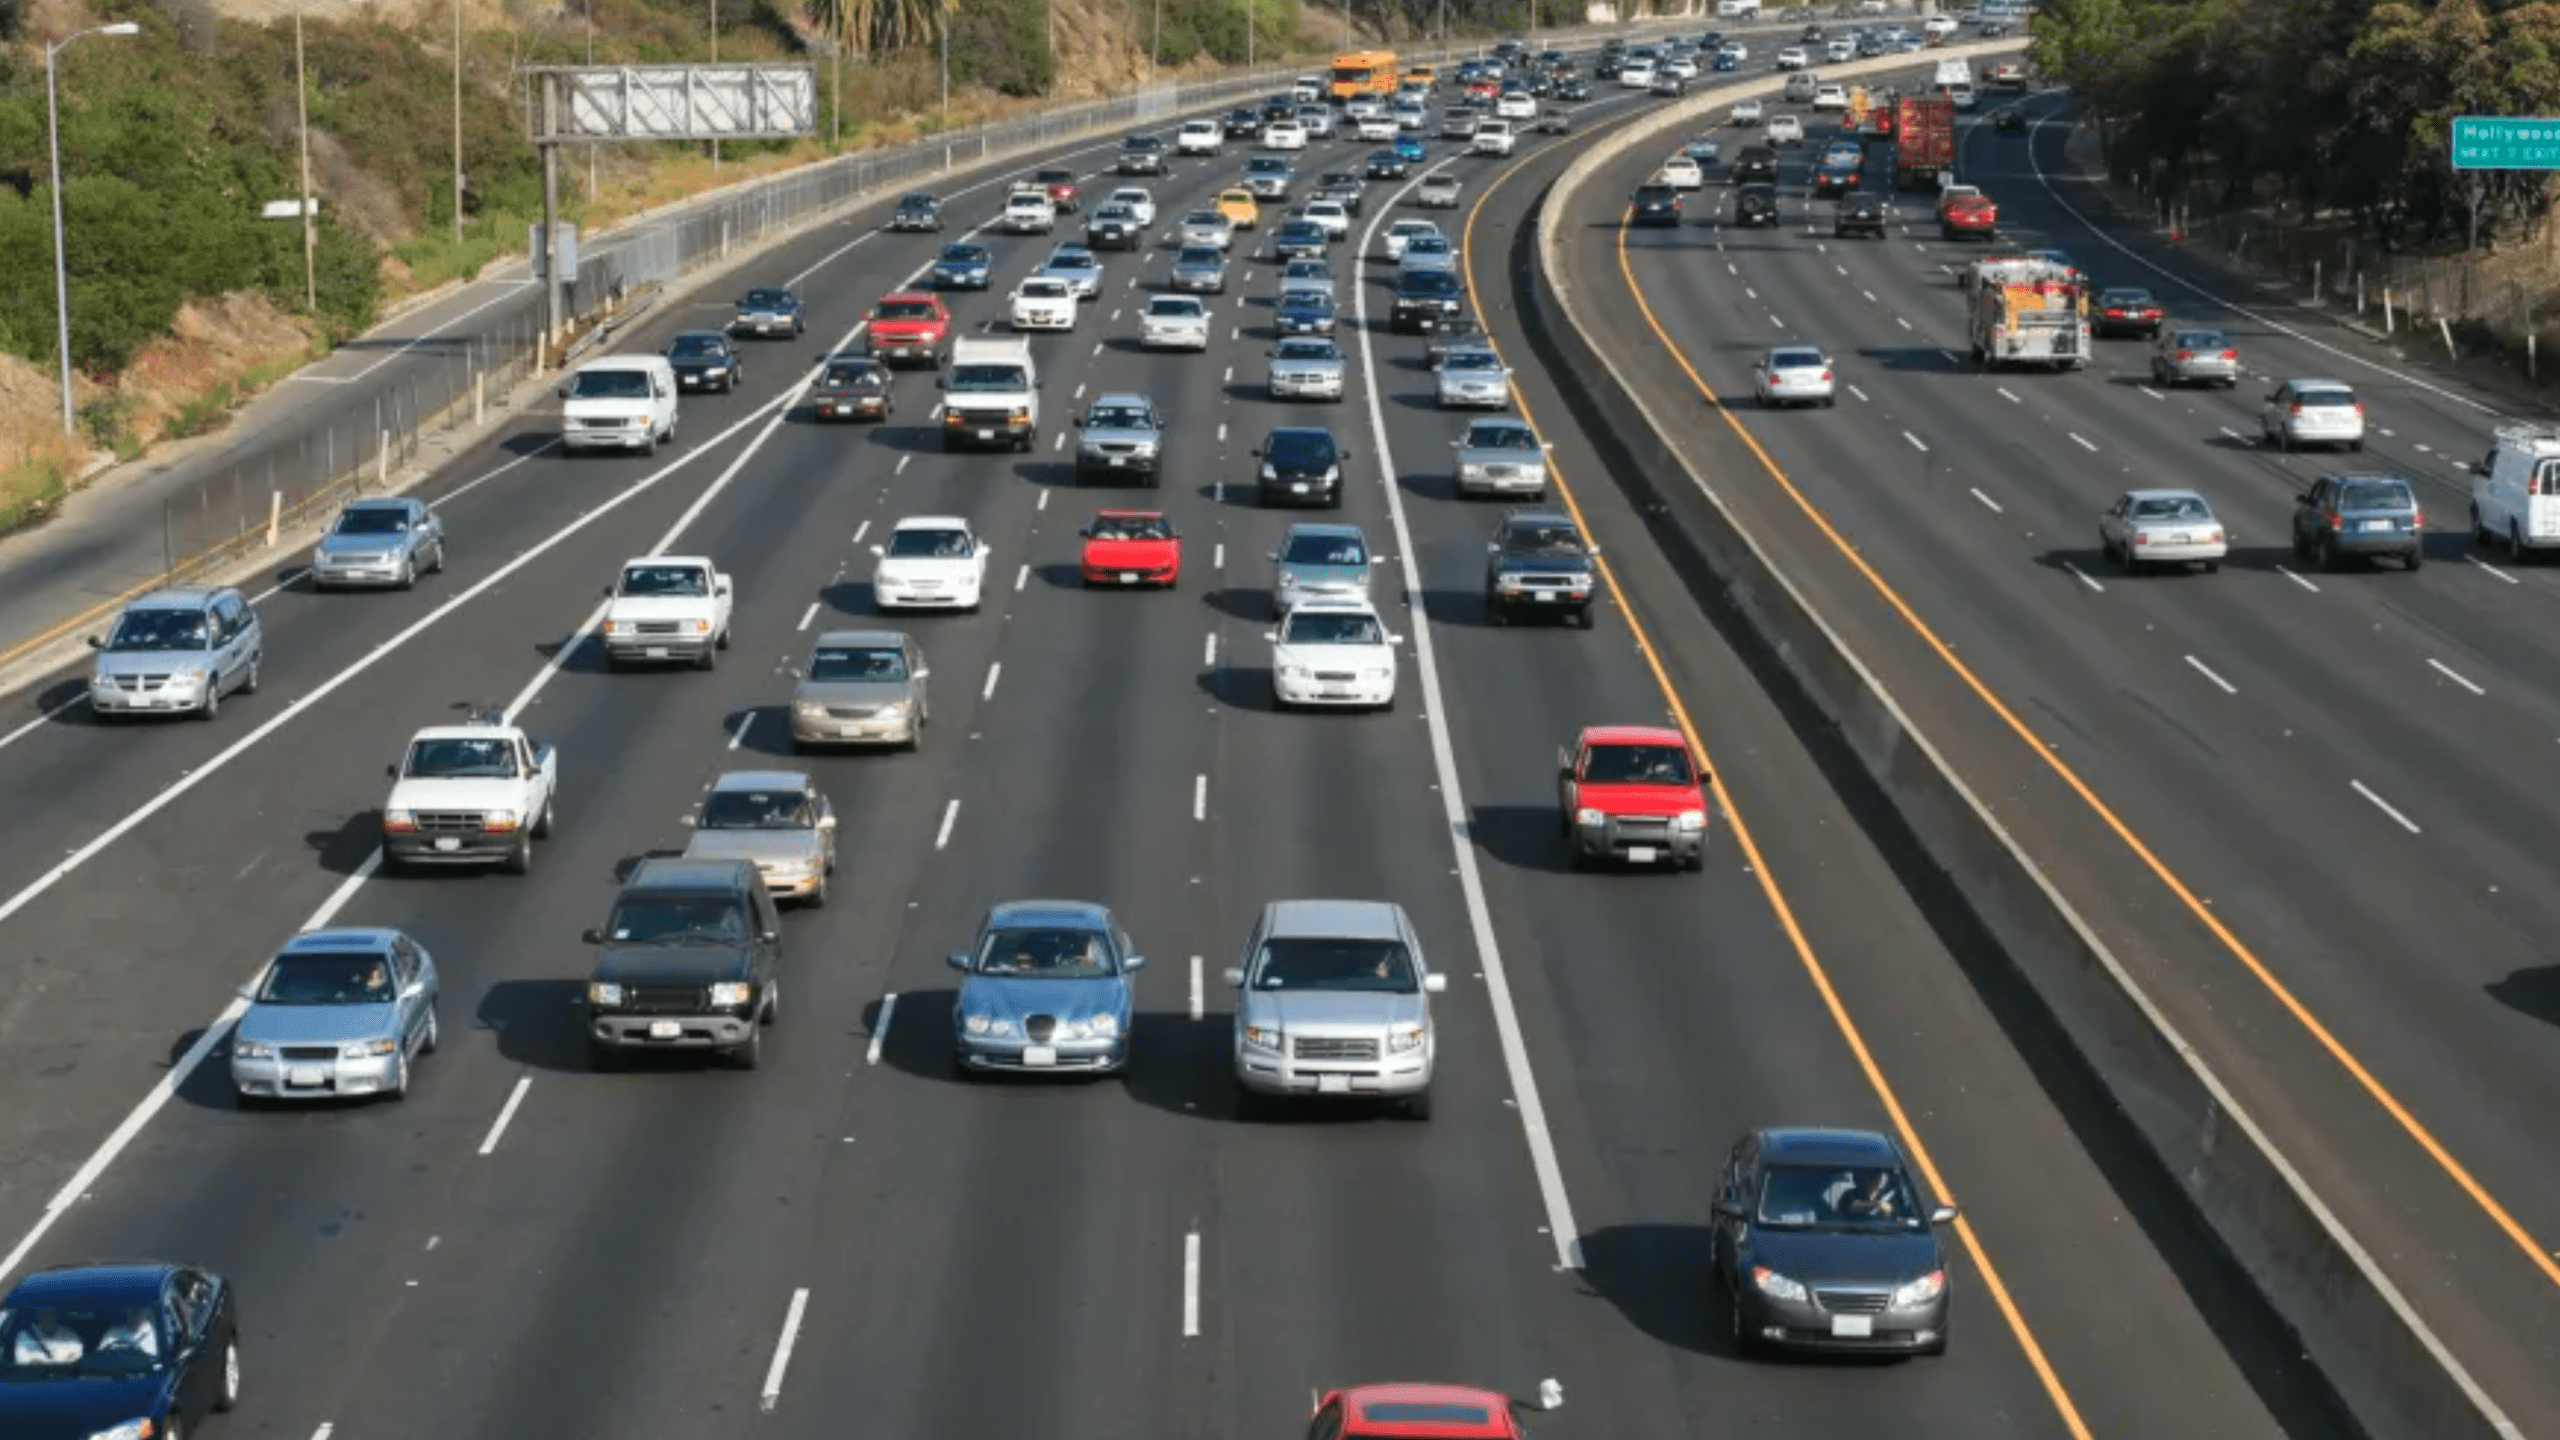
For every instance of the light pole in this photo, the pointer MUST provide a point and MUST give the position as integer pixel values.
(945, 122)
(310, 227)
(591, 60)
(457, 116)
(715, 59)
(62, 271)
(1155, 46)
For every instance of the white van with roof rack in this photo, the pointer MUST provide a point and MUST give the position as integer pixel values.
(2515, 492)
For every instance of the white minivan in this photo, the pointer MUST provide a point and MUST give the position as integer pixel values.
(621, 402)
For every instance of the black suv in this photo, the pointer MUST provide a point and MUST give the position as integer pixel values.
(1426, 298)
(688, 961)
(1141, 155)
(1538, 564)
(1301, 465)
(1243, 124)
(1755, 205)
(1861, 213)
(917, 211)
(1756, 165)
(2370, 515)
(1656, 205)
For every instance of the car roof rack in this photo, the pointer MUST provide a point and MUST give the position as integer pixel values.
(476, 712)
(2530, 432)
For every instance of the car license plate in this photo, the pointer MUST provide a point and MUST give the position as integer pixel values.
(664, 1030)
(1298, 487)
(986, 434)
(1118, 460)
(2377, 524)
(1039, 1055)
(1333, 1084)
(448, 844)
(1128, 577)
(1853, 1327)
(1641, 854)
(2181, 539)
(1543, 595)
(306, 1076)
(655, 652)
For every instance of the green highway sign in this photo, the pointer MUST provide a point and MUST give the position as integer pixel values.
(2004, 9)
(2500, 142)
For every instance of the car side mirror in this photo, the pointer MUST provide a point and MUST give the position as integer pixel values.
(2302, 499)
(1084, 532)
(956, 961)
(1078, 422)
(1394, 639)
(1235, 978)
(97, 642)
(391, 770)
(827, 821)
(1493, 547)
(413, 990)
(1435, 983)
(941, 382)
(1942, 1215)
(818, 359)
(1134, 962)
(882, 553)
(924, 672)
(1730, 1209)
(1257, 454)
(593, 936)
(564, 392)
(721, 585)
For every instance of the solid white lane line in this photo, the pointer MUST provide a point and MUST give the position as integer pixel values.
(1562, 1229)
(1198, 1001)
(993, 671)
(1021, 577)
(506, 1113)
(2005, 395)
(1916, 442)
(1987, 500)
(880, 1028)
(2207, 672)
(808, 615)
(744, 722)
(2492, 569)
(950, 813)
(1191, 1285)
(1209, 652)
(2298, 580)
(2083, 577)
(2456, 677)
(1199, 797)
(2385, 807)
(861, 530)
(782, 1350)
(2082, 443)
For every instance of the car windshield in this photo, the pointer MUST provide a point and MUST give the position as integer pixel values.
(758, 810)
(1306, 299)
(1425, 245)
(1637, 765)
(1309, 350)
(1428, 283)
(87, 1341)
(1119, 417)
(371, 520)
(2374, 495)
(1501, 435)
(1028, 200)
(610, 385)
(1070, 258)
(1299, 450)
(916, 202)
(2201, 340)
(963, 255)
(1174, 308)
(766, 299)
(1307, 270)
(677, 580)
(1542, 536)
(905, 310)
(852, 373)
(1311, 963)
(2323, 399)
(1331, 627)
(697, 347)
(1132, 527)
(833, 663)
(456, 757)
(1842, 1197)
(987, 378)
(1655, 195)
(1051, 289)
(1470, 361)
(1200, 255)
(1265, 165)
(1795, 359)
(1119, 213)
(930, 544)
(1325, 550)
(1046, 954)
(2171, 507)
(159, 630)
(2123, 298)
(676, 919)
(353, 977)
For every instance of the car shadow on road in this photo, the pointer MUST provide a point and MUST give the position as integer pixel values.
(768, 729)
(1459, 609)
(1523, 837)
(521, 443)
(849, 600)
(1661, 1279)
(905, 439)
(1240, 602)
(208, 1087)
(1066, 576)
(63, 702)
(1919, 359)
(585, 654)
(541, 1024)
(342, 849)
(2533, 992)
(1240, 494)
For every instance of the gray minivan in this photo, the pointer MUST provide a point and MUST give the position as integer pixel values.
(1319, 562)
(175, 651)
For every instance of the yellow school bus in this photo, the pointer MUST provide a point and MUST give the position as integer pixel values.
(1364, 72)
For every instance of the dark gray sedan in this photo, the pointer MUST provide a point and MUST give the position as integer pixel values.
(769, 310)
(1823, 1242)
(1200, 269)
(853, 387)
(705, 360)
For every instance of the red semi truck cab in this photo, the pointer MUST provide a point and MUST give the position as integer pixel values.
(1634, 793)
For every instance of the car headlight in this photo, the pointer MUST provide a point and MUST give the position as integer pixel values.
(1288, 580)
(1333, 474)
(191, 672)
(809, 709)
(1104, 1026)
(603, 992)
(1921, 1291)
(142, 1429)
(1074, 1029)
(1590, 817)
(715, 371)
(1264, 1037)
(988, 1025)
(1403, 1038)
(1379, 672)
(729, 994)
(252, 1050)
(1689, 820)
(1270, 473)
(620, 627)
(1775, 1285)
(498, 820)
(1293, 672)
(897, 709)
(367, 1049)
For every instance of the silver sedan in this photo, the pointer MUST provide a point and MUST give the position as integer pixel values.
(338, 1013)
(863, 687)
(1792, 375)
(1474, 378)
(379, 542)
(777, 820)
(1207, 227)
(2163, 527)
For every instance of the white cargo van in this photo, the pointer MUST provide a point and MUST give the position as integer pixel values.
(620, 402)
(2515, 494)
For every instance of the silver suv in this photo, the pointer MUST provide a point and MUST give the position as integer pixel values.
(177, 650)
(2312, 412)
(1333, 999)
(1123, 438)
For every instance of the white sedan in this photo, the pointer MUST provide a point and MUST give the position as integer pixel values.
(1785, 130)
(1174, 322)
(1745, 113)
(1333, 652)
(1682, 173)
(1404, 232)
(1793, 58)
(1329, 216)
(1284, 135)
(2163, 527)
(1043, 302)
(1520, 105)
(1140, 200)
(1792, 375)
(931, 562)
(1376, 127)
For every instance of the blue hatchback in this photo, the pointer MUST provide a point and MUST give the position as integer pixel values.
(92, 1350)
(1410, 149)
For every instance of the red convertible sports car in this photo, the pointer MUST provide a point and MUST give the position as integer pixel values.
(1132, 547)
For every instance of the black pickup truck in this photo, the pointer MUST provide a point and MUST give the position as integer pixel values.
(688, 961)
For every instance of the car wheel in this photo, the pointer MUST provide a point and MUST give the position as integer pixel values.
(2515, 544)
(542, 823)
(227, 1399)
(399, 1089)
(709, 658)
(438, 567)
(772, 1002)
(817, 898)
(172, 1429)
(249, 685)
(750, 1055)
(2416, 559)
(2213, 567)
(1494, 614)
(2356, 446)
(520, 859)
(1738, 1324)
(212, 706)
(2329, 557)
(409, 572)
(434, 1037)
(649, 447)
(960, 1070)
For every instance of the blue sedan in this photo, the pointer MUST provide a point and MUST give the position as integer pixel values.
(1045, 988)
(112, 1350)
(1410, 149)
(963, 267)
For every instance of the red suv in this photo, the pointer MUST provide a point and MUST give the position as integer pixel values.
(1632, 793)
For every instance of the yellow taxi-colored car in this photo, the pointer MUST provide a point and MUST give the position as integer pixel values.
(1240, 208)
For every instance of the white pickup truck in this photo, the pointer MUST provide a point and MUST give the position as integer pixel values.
(472, 794)
(667, 608)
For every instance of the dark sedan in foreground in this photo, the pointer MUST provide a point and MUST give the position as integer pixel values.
(139, 1351)
(1822, 1242)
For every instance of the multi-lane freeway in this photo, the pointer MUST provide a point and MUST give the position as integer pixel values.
(2300, 804)
(849, 1238)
